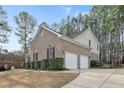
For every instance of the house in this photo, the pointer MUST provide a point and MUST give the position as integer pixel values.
(88, 38)
(77, 49)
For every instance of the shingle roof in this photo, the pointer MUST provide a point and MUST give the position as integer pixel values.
(74, 34)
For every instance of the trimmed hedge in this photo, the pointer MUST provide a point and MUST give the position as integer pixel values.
(56, 64)
(27, 65)
(52, 64)
(2, 69)
(36, 65)
(44, 64)
(95, 63)
(39, 64)
(31, 65)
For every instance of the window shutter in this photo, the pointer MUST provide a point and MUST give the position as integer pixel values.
(53, 52)
(50, 52)
(47, 53)
(33, 57)
(36, 56)
(89, 43)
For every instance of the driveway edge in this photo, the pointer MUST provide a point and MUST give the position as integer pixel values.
(108, 78)
(70, 81)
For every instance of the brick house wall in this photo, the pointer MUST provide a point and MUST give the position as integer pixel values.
(46, 38)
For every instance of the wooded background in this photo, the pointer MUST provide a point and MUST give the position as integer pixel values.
(107, 23)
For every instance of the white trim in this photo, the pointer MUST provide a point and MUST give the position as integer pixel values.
(88, 63)
(70, 52)
(51, 31)
(70, 66)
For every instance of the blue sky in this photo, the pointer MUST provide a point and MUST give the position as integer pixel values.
(50, 14)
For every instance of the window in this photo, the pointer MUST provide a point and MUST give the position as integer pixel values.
(51, 52)
(89, 43)
(36, 56)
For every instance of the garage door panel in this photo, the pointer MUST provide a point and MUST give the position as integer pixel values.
(70, 60)
(84, 63)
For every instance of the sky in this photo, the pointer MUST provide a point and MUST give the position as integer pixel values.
(50, 14)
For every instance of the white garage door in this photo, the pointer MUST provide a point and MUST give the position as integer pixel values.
(70, 60)
(84, 63)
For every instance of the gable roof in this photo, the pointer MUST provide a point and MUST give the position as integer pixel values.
(76, 34)
(89, 29)
(59, 36)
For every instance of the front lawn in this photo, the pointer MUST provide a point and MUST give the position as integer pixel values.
(35, 79)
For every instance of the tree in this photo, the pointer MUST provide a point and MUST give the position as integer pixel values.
(62, 27)
(68, 26)
(85, 22)
(25, 27)
(4, 28)
(55, 27)
(44, 24)
(107, 23)
(79, 22)
(74, 24)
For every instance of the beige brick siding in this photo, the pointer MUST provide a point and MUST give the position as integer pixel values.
(94, 56)
(46, 38)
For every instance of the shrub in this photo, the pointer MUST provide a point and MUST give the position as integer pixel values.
(56, 64)
(37, 65)
(95, 63)
(27, 65)
(31, 65)
(52, 64)
(2, 69)
(43, 64)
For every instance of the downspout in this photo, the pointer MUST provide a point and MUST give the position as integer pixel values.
(79, 64)
(90, 57)
(90, 53)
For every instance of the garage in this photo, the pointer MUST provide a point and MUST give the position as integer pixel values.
(84, 63)
(71, 60)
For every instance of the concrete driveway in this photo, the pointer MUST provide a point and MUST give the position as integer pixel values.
(98, 78)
